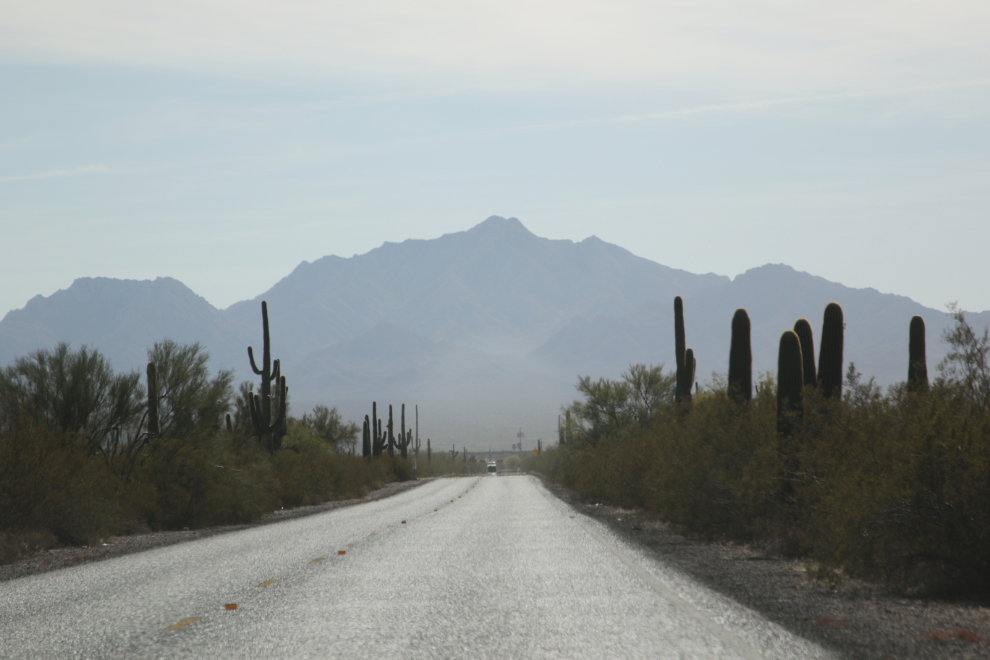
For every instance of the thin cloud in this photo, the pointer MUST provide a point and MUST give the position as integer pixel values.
(54, 174)
(740, 106)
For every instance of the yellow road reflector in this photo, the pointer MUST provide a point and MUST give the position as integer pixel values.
(351, 545)
(374, 534)
(434, 509)
(184, 623)
(230, 606)
(266, 583)
(317, 560)
(342, 552)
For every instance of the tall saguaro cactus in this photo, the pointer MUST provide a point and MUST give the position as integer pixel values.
(790, 382)
(366, 438)
(684, 357)
(802, 328)
(269, 371)
(830, 353)
(429, 451)
(917, 361)
(680, 343)
(741, 358)
(154, 430)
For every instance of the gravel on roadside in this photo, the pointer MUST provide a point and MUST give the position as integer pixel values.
(116, 546)
(856, 619)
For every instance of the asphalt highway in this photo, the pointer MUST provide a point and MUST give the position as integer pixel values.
(481, 567)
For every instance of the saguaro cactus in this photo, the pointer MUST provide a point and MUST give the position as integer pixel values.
(374, 429)
(154, 430)
(803, 330)
(830, 354)
(741, 358)
(269, 372)
(680, 344)
(378, 447)
(391, 435)
(917, 361)
(405, 436)
(790, 382)
(429, 451)
(453, 452)
(263, 428)
(366, 438)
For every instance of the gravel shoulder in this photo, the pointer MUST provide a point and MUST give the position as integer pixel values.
(116, 546)
(856, 619)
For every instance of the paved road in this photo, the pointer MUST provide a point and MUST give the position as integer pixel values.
(483, 567)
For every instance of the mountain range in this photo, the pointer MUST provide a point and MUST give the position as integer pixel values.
(486, 330)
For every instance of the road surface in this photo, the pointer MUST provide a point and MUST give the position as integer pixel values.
(480, 567)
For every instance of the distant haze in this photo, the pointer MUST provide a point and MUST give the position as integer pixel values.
(486, 329)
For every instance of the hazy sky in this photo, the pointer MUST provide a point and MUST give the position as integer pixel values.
(222, 142)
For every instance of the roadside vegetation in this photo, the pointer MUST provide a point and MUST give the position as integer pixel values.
(86, 453)
(891, 486)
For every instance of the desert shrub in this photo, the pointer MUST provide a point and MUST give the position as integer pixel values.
(441, 465)
(50, 485)
(315, 474)
(905, 496)
(200, 482)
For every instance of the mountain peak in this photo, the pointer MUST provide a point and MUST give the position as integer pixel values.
(498, 224)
